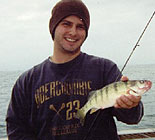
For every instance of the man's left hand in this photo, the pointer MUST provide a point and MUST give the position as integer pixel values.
(129, 101)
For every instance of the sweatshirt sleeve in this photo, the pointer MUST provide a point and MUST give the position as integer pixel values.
(18, 114)
(129, 116)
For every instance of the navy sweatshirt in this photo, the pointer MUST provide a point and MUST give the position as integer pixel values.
(45, 99)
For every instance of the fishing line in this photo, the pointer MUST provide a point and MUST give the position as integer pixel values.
(137, 44)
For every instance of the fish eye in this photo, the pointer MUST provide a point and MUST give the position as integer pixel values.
(142, 81)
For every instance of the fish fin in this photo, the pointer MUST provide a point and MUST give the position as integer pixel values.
(132, 92)
(80, 115)
(93, 110)
(91, 94)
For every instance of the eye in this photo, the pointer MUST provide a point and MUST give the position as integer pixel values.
(82, 27)
(66, 24)
(142, 81)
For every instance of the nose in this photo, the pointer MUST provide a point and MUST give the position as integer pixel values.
(73, 31)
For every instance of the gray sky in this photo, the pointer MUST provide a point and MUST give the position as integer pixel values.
(115, 28)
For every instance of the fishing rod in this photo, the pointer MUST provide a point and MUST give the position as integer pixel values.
(136, 45)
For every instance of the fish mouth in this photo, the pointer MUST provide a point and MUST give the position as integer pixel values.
(148, 85)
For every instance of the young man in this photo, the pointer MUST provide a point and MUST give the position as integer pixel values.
(46, 98)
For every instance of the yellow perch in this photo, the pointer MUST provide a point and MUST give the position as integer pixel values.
(106, 97)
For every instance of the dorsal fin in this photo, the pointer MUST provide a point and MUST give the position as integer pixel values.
(91, 94)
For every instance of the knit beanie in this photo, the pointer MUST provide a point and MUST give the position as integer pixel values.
(66, 8)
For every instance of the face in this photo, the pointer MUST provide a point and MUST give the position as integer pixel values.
(69, 35)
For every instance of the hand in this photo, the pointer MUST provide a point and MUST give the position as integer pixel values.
(129, 101)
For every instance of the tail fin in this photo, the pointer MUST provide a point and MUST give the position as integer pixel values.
(80, 115)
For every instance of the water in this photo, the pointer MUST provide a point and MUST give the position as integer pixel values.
(7, 80)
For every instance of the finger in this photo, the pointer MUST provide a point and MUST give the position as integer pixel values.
(127, 102)
(135, 99)
(123, 102)
(124, 78)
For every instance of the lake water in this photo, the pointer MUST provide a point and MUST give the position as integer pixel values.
(138, 72)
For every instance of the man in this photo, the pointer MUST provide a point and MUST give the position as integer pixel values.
(46, 98)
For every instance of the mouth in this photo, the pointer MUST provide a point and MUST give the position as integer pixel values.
(148, 85)
(70, 40)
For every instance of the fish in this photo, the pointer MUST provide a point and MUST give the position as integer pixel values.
(106, 97)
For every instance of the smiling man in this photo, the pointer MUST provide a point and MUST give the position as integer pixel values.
(69, 26)
(68, 38)
(45, 98)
